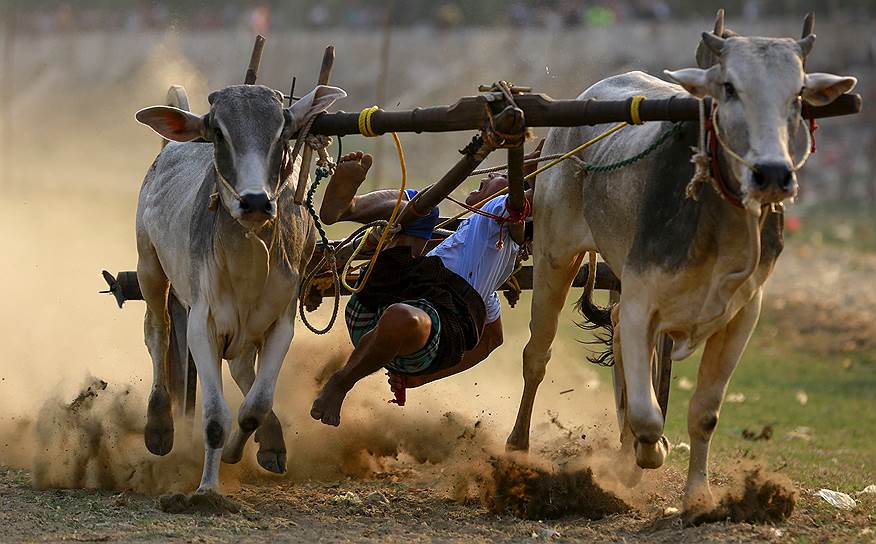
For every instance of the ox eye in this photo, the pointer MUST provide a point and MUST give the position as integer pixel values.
(729, 90)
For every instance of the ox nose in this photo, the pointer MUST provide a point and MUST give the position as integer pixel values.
(256, 204)
(773, 176)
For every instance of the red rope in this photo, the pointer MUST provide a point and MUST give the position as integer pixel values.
(728, 195)
(472, 209)
(514, 217)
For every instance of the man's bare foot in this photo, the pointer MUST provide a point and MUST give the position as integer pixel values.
(348, 176)
(327, 406)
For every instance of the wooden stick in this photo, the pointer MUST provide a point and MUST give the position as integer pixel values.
(7, 91)
(325, 75)
(540, 111)
(252, 72)
(380, 90)
(516, 197)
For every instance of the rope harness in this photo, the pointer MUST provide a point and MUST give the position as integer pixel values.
(635, 117)
(705, 159)
(329, 259)
(706, 169)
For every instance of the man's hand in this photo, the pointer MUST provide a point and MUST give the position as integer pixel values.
(397, 384)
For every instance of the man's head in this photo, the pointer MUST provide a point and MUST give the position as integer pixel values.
(490, 185)
(496, 181)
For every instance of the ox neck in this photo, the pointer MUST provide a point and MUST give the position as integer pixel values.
(720, 173)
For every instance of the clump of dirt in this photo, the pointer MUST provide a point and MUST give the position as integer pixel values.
(206, 503)
(533, 492)
(756, 496)
(96, 441)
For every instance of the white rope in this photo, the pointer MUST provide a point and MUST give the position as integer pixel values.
(729, 150)
(700, 158)
(808, 152)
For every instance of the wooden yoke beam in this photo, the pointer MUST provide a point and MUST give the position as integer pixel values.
(472, 156)
(325, 75)
(516, 195)
(541, 110)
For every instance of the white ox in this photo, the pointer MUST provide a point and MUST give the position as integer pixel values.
(692, 269)
(235, 264)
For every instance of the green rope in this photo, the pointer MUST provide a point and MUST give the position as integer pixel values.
(321, 173)
(600, 168)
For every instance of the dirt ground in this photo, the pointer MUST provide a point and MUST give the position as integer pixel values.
(387, 475)
(400, 505)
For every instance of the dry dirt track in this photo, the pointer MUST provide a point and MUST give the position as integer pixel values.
(320, 512)
(69, 213)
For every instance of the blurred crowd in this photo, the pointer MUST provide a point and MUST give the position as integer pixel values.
(260, 16)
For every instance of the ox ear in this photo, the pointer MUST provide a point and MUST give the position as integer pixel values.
(822, 89)
(172, 123)
(316, 101)
(696, 81)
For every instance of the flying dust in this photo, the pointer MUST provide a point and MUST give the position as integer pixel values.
(754, 496)
(75, 374)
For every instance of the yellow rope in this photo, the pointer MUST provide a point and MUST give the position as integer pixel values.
(634, 109)
(541, 169)
(365, 122)
(386, 229)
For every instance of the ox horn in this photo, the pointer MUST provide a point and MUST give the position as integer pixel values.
(714, 43)
(805, 44)
(709, 48)
(719, 23)
(808, 25)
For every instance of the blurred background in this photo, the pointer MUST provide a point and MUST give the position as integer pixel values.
(72, 158)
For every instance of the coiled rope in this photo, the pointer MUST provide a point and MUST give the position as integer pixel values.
(329, 259)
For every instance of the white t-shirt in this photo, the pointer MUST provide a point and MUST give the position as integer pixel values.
(471, 253)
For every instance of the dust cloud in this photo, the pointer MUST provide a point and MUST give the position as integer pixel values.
(74, 373)
(754, 496)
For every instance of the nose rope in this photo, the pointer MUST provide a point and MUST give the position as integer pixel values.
(315, 142)
(716, 129)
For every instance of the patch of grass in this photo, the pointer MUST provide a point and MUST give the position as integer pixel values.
(838, 416)
(849, 224)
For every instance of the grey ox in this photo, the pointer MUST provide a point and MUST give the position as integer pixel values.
(234, 260)
(691, 268)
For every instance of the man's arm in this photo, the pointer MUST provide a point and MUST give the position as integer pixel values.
(491, 338)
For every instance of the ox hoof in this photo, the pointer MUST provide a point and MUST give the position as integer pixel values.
(208, 503)
(517, 442)
(629, 474)
(697, 504)
(272, 446)
(232, 453)
(652, 456)
(158, 433)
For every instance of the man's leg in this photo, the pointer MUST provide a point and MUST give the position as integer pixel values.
(491, 338)
(349, 174)
(401, 330)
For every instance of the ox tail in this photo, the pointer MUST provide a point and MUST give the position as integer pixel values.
(596, 319)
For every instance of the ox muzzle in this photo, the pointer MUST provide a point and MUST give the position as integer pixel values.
(256, 207)
(772, 182)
